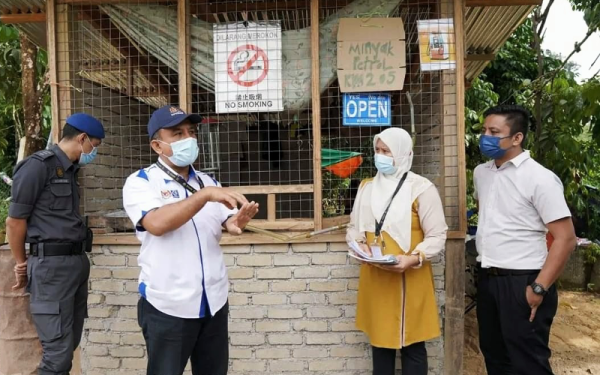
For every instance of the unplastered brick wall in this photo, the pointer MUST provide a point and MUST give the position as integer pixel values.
(125, 149)
(292, 311)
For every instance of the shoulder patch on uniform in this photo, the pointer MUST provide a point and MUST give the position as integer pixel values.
(43, 155)
(142, 174)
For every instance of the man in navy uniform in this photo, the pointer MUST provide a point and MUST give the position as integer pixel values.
(44, 213)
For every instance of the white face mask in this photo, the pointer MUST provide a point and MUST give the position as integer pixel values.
(185, 152)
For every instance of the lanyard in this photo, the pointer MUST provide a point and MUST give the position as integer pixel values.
(379, 224)
(180, 179)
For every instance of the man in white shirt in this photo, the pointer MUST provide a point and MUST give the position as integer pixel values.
(519, 201)
(179, 214)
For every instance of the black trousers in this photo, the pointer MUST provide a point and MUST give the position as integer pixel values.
(58, 305)
(510, 343)
(412, 357)
(172, 341)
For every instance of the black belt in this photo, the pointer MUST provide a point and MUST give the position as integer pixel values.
(57, 249)
(494, 271)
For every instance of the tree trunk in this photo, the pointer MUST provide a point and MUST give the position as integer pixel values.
(34, 140)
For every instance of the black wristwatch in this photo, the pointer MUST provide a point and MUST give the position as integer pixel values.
(538, 289)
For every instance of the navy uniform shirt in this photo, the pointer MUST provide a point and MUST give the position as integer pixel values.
(45, 192)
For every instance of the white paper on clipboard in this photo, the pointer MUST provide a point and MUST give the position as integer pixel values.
(357, 253)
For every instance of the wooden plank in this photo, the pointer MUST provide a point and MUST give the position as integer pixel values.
(455, 307)
(63, 62)
(501, 3)
(52, 68)
(329, 222)
(245, 239)
(316, 113)
(104, 25)
(294, 225)
(455, 248)
(250, 238)
(455, 235)
(271, 207)
(183, 40)
(272, 189)
(480, 57)
(459, 29)
(23, 18)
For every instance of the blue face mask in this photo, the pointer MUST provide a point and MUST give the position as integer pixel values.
(87, 158)
(385, 164)
(490, 146)
(185, 152)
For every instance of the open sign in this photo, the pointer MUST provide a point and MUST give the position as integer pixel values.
(367, 109)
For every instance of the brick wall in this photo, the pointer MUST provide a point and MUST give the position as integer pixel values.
(292, 310)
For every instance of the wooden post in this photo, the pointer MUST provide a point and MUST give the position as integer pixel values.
(459, 29)
(455, 248)
(316, 113)
(271, 207)
(51, 31)
(63, 63)
(183, 37)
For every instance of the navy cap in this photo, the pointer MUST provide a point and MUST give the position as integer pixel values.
(168, 117)
(87, 124)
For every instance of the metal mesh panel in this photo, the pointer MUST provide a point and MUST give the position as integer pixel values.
(120, 61)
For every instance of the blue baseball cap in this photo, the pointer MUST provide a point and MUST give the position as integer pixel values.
(87, 124)
(168, 117)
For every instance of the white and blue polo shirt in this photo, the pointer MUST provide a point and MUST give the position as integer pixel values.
(182, 272)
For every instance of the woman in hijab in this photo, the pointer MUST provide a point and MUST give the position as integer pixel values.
(396, 303)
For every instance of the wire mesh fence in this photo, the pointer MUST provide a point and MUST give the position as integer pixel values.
(250, 78)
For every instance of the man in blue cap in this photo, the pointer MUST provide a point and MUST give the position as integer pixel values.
(179, 214)
(44, 213)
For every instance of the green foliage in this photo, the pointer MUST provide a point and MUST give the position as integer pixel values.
(11, 101)
(570, 119)
(591, 253)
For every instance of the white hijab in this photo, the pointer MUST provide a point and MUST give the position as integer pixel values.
(375, 197)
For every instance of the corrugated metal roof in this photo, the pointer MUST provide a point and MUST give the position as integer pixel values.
(487, 29)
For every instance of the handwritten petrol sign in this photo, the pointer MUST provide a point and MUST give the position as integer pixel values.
(371, 54)
(367, 109)
(248, 67)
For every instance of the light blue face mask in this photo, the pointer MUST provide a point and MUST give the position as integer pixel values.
(385, 164)
(185, 152)
(88, 158)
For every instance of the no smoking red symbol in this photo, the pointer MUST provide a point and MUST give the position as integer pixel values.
(245, 59)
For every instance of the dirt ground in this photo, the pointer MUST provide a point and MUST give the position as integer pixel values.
(575, 337)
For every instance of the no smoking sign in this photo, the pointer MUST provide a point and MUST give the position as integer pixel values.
(247, 65)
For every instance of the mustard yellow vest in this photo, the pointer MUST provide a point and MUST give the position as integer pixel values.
(397, 310)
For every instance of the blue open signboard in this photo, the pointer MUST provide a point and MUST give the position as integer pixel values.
(367, 110)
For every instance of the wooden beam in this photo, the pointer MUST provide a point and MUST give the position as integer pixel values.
(52, 68)
(272, 189)
(316, 114)
(183, 48)
(103, 24)
(501, 3)
(247, 238)
(455, 248)
(480, 57)
(23, 18)
(460, 35)
(272, 207)
(64, 58)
